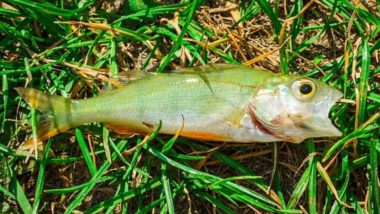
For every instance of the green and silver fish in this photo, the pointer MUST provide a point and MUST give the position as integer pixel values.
(230, 103)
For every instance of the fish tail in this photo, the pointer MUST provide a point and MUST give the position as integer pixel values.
(56, 115)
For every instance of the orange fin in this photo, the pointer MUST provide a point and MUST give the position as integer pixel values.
(124, 130)
(203, 136)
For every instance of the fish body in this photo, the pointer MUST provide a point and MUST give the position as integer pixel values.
(219, 103)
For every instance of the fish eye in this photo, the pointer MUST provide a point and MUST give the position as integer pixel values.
(306, 88)
(303, 89)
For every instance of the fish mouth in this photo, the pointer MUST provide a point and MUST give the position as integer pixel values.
(326, 128)
(322, 124)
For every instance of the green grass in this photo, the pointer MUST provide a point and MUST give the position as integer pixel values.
(56, 47)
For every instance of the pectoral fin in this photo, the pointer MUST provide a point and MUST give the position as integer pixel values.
(236, 117)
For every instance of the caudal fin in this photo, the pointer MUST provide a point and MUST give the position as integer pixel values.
(56, 114)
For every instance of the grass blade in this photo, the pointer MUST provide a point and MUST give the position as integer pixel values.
(19, 193)
(330, 184)
(99, 173)
(41, 179)
(165, 61)
(125, 196)
(374, 176)
(166, 186)
(85, 151)
(5, 91)
(267, 8)
(299, 189)
(262, 202)
(364, 74)
(312, 191)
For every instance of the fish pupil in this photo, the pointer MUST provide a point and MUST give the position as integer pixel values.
(306, 89)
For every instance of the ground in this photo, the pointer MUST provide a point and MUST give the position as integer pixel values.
(76, 48)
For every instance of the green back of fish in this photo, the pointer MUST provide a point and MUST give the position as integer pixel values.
(203, 94)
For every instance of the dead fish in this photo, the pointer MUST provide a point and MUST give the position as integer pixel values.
(230, 103)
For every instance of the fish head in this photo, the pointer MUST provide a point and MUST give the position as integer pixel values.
(293, 108)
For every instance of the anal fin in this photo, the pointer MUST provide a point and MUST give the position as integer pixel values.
(203, 136)
(124, 130)
(131, 131)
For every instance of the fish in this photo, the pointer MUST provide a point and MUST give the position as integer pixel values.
(228, 103)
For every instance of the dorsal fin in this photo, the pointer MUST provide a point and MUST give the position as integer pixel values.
(125, 77)
(208, 68)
